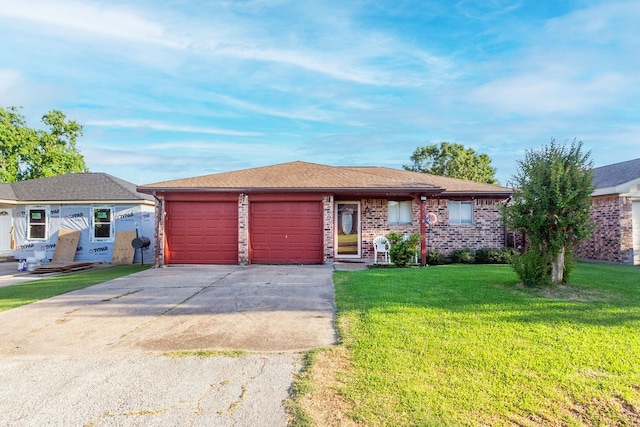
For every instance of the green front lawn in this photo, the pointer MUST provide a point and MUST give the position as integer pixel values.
(467, 345)
(27, 292)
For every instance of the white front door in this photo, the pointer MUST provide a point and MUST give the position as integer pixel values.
(347, 229)
(6, 223)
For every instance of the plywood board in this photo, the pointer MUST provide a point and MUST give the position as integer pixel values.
(123, 252)
(66, 246)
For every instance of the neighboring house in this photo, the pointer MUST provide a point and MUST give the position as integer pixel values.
(97, 204)
(615, 210)
(308, 213)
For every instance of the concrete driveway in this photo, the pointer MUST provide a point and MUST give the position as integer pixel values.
(96, 356)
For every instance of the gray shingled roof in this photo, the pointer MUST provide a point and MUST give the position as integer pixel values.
(616, 174)
(6, 192)
(76, 187)
(304, 176)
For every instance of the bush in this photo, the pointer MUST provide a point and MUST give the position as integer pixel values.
(435, 258)
(532, 268)
(462, 256)
(403, 248)
(494, 256)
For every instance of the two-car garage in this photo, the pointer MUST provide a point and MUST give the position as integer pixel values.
(201, 229)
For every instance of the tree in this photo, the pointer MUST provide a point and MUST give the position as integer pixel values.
(453, 160)
(27, 153)
(550, 206)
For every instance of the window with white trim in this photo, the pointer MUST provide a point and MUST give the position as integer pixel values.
(460, 212)
(398, 212)
(103, 223)
(37, 223)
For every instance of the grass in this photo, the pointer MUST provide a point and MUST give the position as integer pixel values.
(28, 292)
(467, 345)
(204, 354)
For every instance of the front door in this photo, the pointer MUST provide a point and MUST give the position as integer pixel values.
(347, 228)
(6, 230)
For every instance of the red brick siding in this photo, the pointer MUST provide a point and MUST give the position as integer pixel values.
(243, 229)
(327, 207)
(485, 232)
(612, 237)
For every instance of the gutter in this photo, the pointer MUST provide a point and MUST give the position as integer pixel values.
(151, 190)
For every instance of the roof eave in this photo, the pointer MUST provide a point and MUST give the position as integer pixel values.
(504, 194)
(86, 202)
(152, 190)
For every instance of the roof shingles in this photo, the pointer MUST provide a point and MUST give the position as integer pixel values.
(616, 174)
(311, 176)
(77, 187)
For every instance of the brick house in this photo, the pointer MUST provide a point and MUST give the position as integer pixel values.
(615, 210)
(308, 213)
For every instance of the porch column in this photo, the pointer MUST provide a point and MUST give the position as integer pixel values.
(423, 232)
(421, 200)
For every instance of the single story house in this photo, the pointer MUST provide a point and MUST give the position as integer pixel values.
(615, 210)
(308, 213)
(98, 205)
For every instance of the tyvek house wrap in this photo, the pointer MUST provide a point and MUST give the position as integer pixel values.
(78, 217)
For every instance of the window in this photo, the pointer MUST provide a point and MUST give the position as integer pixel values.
(460, 213)
(37, 222)
(102, 223)
(399, 212)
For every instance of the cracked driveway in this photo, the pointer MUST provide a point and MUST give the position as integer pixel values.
(96, 356)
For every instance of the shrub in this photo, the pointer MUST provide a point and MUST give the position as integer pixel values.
(435, 258)
(532, 268)
(403, 248)
(462, 256)
(494, 256)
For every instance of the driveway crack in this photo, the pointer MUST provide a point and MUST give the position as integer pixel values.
(173, 307)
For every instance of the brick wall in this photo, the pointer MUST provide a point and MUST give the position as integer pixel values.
(485, 232)
(243, 229)
(328, 212)
(158, 235)
(612, 237)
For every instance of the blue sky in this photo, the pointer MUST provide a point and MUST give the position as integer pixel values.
(176, 88)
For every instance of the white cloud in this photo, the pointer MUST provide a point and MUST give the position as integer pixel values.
(84, 17)
(546, 92)
(159, 126)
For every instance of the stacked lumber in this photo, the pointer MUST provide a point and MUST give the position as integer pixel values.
(63, 256)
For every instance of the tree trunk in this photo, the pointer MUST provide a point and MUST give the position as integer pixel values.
(557, 267)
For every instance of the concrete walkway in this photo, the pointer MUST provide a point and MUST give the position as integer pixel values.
(96, 356)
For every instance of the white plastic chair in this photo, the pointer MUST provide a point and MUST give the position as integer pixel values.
(381, 246)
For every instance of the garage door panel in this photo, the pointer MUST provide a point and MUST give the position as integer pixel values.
(286, 232)
(202, 232)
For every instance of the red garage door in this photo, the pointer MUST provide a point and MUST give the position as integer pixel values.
(201, 232)
(286, 232)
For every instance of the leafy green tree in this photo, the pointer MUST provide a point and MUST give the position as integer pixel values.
(453, 160)
(550, 206)
(27, 153)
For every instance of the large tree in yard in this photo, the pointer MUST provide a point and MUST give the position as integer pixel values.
(453, 160)
(550, 206)
(27, 153)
